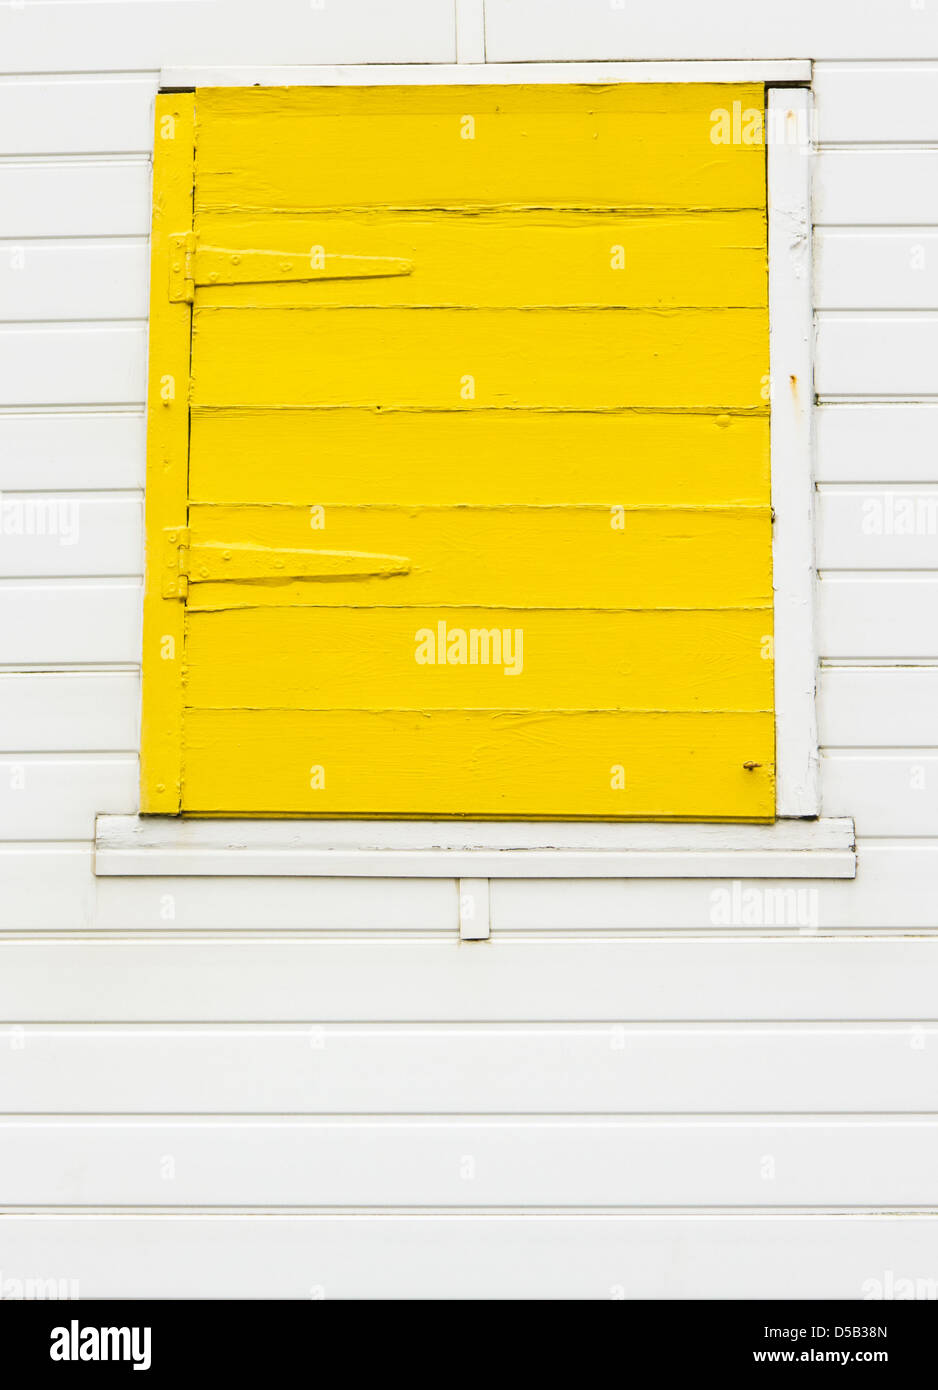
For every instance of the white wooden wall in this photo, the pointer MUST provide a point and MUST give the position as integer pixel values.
(304, 1088)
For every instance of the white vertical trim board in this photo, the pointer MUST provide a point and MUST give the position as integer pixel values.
(792, 387)
(470, 31)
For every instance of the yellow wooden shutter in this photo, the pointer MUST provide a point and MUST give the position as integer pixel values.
(477, 518)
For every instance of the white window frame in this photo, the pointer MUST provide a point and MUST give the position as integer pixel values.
(799, 843)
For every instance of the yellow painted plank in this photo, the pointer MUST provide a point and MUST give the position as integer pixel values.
(479, 764)
(480, 357)
(335, 456)
(715, 259)
(167, 458)
(350, 658)
(634, 145)
(563, 557)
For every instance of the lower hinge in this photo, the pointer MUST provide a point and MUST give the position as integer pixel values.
(175, 583)
(181, 275)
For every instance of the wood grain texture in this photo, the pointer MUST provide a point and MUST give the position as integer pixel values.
(483, 763)
(664, 359)
(290, 456)
(569, 556)
(546, 145)
(711, 259)
(246, 658)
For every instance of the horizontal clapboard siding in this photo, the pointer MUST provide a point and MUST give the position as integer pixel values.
(876, 187)
(68, 450)
(47, 887)
(104, 279)
(865, 707)
(357, 31)
(895, 269)
(404, 980)
(892, 891)
(470, 1069)
(62, 624)
(595, 1000)
(587, 1255)
(45, 797)
(75, 364)
(878, 528)
(881, 103)
(886, 354)
(80, 711)
(76, 196)
(81, 115)
(531, 30)
(53, 534)
(878, 616)
(428, 1162)
(885, 444)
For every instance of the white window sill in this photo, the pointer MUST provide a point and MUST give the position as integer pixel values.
(163, 845)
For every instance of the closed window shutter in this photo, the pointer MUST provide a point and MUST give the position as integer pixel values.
(477, 513)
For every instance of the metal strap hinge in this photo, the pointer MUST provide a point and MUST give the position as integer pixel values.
(191, 265)
(175, 581)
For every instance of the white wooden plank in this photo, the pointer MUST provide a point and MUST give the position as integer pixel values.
(791, 335)
(71, 450)
(878, 617)
(470, 31)
(888, 793)
(101, 36)
(57, 798)
(878, 706)
(54, 712)
(74, 197)
(69, 624)
(894, 889)
(872, 528)
(876, 187)
(49, 534)
(877, 443)
(877, 270)
(326, 904)
(75, 279)
(415, 849)
(877, 354)
(471, 73)
(474, 1069)
(526, 30)
(508, 1255)
(81, 115)
(46, 887)
(73, 364)
(431, 980)
(427, 1162)
(875, 103)
(475, 908)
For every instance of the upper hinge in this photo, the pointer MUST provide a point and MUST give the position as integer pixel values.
(175, 582)
(181, 277)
